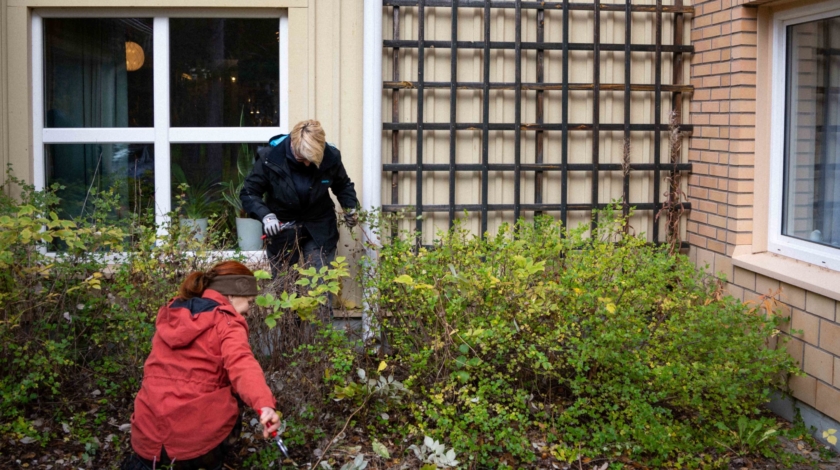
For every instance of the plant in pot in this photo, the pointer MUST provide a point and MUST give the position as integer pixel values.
(249, 231)
(197, 202)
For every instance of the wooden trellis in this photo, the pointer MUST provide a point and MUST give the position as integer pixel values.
(400, 89)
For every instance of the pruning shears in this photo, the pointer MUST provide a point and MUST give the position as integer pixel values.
(280, 444)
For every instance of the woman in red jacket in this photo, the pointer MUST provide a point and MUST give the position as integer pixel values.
(186, 411)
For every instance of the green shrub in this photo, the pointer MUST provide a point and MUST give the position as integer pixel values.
(78, 301)
(541, 337)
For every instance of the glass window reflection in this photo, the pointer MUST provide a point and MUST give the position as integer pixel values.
(98, 72)
(83, 169)
(224, 72)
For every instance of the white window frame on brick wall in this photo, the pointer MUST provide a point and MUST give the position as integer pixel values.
(802, 250)
(161, 135)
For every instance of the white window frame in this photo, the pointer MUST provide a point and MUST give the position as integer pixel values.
(796, 248)
(162, 135)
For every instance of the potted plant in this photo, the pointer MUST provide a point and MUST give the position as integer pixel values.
(196, 202)
(248, 231)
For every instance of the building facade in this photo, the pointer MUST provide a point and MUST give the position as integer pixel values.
(502, 109)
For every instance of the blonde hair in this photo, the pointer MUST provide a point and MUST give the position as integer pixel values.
(308, 141)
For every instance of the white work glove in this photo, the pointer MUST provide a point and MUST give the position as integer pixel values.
(351, 218)
(271, 226)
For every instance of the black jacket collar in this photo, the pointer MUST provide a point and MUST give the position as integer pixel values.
(277, 156)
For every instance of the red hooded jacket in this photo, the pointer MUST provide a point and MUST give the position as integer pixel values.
(200, 357)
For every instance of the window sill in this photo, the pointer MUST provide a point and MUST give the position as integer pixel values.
(816, 279)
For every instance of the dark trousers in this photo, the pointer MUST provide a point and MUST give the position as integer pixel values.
(297, 246)
(293, 245)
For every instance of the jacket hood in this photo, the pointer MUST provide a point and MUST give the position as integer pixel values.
(182, 321)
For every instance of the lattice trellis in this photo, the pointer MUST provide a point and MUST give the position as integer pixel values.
(595, 169)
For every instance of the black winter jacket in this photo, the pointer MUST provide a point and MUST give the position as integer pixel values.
(272, 177)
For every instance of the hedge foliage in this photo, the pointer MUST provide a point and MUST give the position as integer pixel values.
(539, 340)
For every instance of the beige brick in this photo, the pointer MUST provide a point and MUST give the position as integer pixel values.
(753, 298)
(715, 246)
(819, 305)
(828, 400)
(743, 78)
(705, 258)
(765, 284)
(701, 70)
(743, 65)
(723, 265)
(726, 41)
(709, 32)
(808, 324)
(744, 12)
(696, 240)
(746, 25)
(830, 337)
(739, 39)
(742, 93)
(735, 291)
(836, 371)
(744, 278)
(717, 221)
(708, 231)
(819, 363)
(740, 238)
(742, 119)
(793, 295)
(784, 312)
(742, 106)
(804, 389)
(796, 350)
(719, 93)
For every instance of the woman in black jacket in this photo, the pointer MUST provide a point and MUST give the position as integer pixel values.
(298, 215)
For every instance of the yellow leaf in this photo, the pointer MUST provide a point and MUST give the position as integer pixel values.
(611, 308)
(382, 366)
(832, 440)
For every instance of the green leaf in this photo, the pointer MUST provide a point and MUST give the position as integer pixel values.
(404, 279)
(262, 274)
(464, 348)
(380, 449)
(271, 322)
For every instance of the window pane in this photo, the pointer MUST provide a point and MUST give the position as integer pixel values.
(812, 140)
(225, 72)
(213, 173)
(82, 168)
(98, 72)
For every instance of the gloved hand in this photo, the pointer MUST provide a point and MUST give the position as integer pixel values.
(271, 226)
(351, 218)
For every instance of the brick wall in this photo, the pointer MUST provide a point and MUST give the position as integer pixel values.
(723, 113)
(815, 346)
(722, 150)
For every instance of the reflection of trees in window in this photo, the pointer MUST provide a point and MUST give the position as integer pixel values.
(812, 149)
(222, 68)
(86, 83)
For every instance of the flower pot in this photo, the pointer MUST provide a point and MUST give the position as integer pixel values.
(249, 233)
(198, 227)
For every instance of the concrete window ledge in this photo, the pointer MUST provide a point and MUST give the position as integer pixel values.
(806, 276)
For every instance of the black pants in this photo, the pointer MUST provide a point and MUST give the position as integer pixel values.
(296, 245)
(212, 460)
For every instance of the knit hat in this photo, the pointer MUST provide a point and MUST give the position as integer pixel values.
(240, 286)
